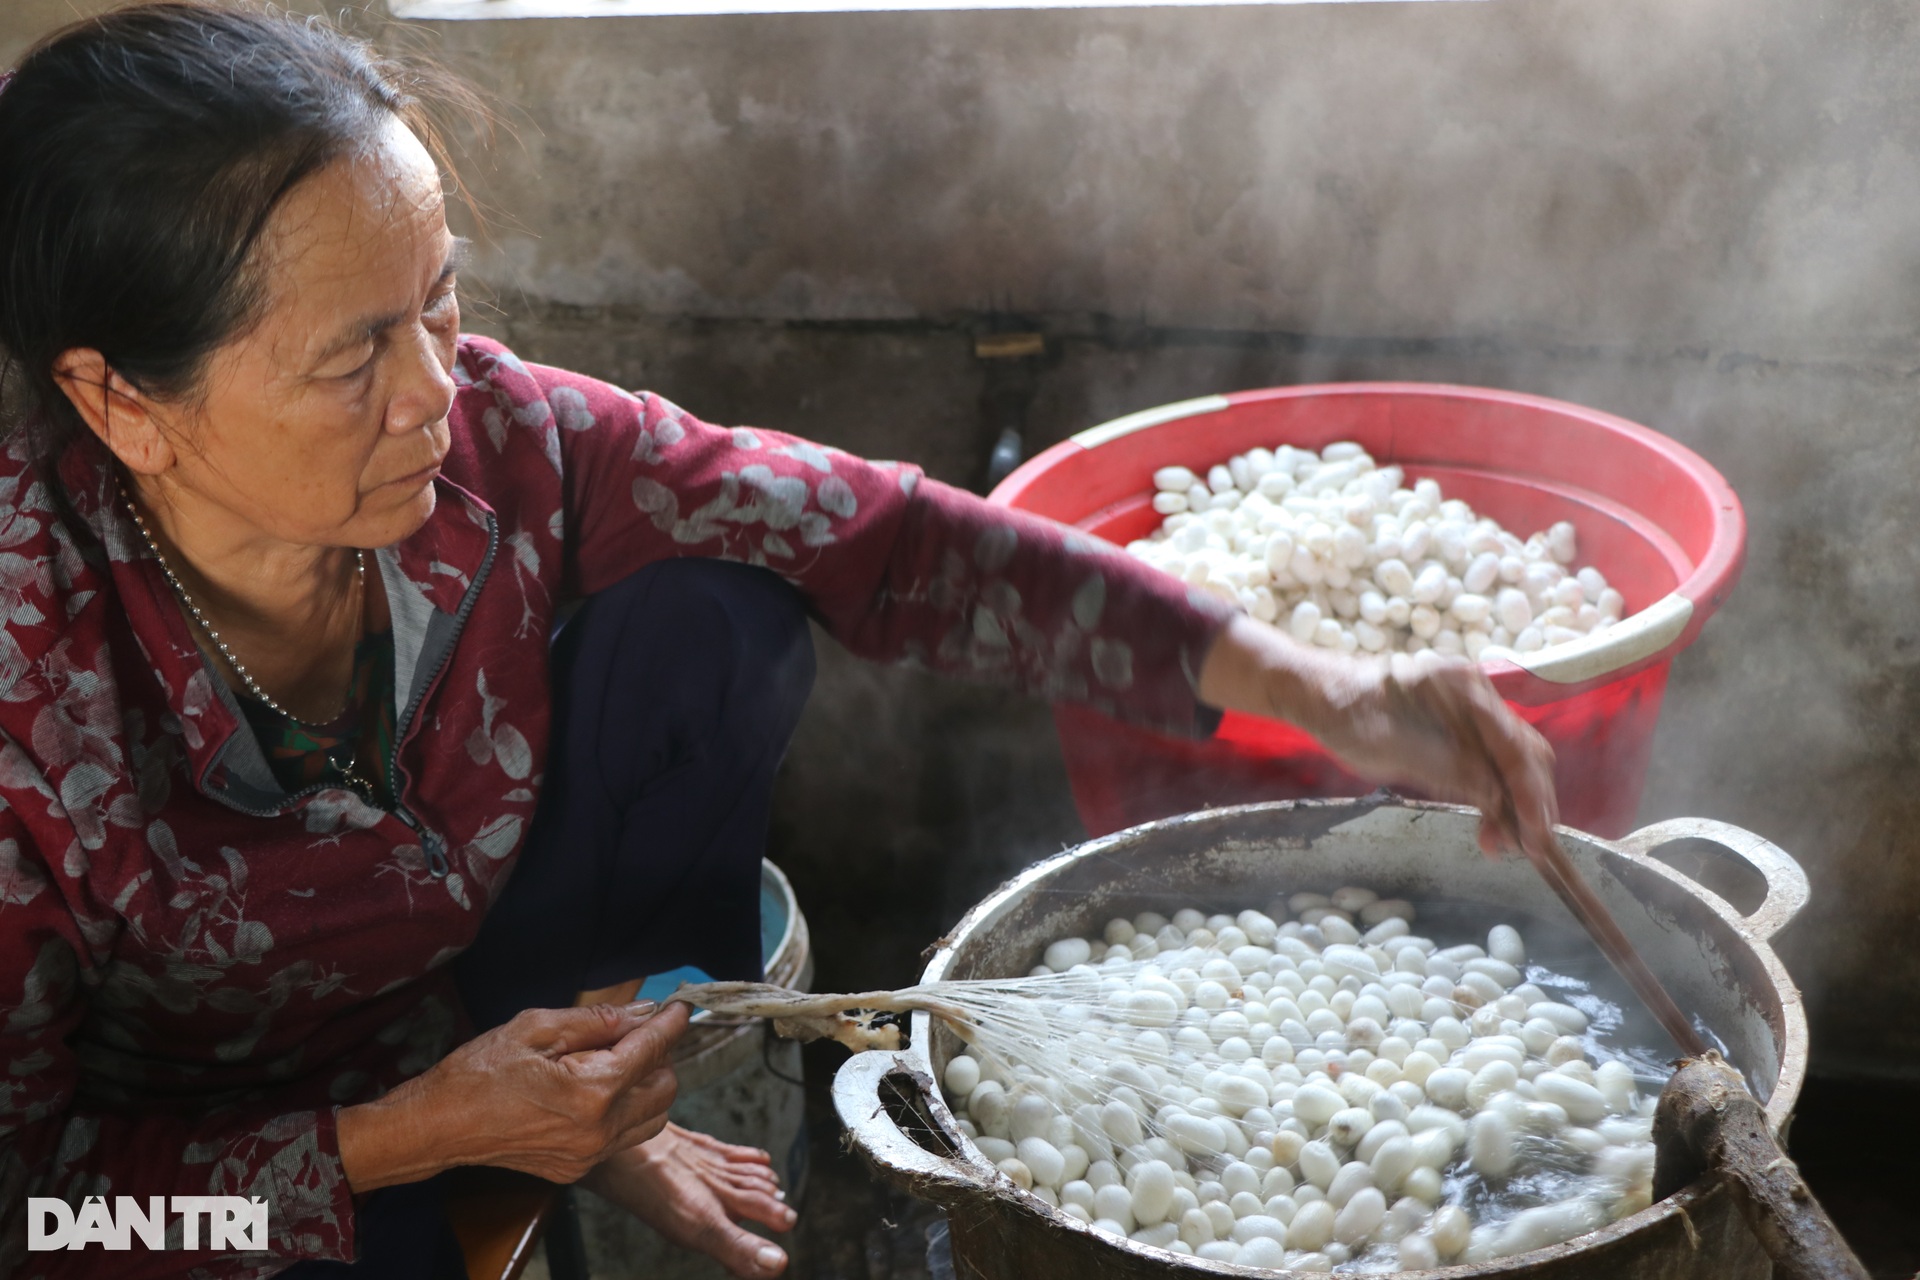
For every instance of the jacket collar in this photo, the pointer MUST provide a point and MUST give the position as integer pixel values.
(429, 577)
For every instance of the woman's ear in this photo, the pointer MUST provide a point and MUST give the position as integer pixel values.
(115, 410)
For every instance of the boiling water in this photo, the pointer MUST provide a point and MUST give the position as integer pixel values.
(1620, 1029)
(1067, 1028)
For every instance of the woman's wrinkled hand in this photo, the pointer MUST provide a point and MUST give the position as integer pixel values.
(1438, 727)
(553, 1093)
(1424, 722)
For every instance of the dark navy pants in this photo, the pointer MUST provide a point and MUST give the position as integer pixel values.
(675, 692)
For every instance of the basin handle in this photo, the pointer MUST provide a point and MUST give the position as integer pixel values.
(902, 1162)
(1787, 888)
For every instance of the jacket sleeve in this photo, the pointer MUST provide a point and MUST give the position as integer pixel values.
(52, 1144)
(894, 565)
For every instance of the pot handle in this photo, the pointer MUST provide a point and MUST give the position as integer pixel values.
(902, 1162)
(1787, 888)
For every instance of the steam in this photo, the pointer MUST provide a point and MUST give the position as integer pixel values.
(1700, 216)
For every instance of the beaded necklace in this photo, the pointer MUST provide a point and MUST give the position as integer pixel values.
(319, 736)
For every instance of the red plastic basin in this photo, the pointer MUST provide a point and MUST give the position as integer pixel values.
(1661, 524)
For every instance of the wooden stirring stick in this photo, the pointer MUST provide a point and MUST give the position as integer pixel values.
(1558, 872)
(1605, 931)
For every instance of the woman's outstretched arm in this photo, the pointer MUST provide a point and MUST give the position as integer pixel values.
(1437, 726)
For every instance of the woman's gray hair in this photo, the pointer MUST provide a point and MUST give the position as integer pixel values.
(142, 154)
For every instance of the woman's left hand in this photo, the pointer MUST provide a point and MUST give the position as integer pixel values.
(1432, 724)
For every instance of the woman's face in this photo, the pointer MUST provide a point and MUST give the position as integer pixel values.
(326, 424)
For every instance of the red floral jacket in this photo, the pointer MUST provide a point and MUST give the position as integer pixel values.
(197, 969)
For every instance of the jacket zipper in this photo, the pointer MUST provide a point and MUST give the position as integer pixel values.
(434, 845)
(431, 842)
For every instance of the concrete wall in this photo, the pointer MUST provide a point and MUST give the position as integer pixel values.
(1703, 216)
(1641, 173)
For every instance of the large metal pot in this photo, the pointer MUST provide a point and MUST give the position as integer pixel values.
(1714, 960)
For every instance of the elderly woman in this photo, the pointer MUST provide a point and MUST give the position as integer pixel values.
(320, 872)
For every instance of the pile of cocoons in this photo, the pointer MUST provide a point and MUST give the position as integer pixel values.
(1331, 1093)
(1340, 552)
